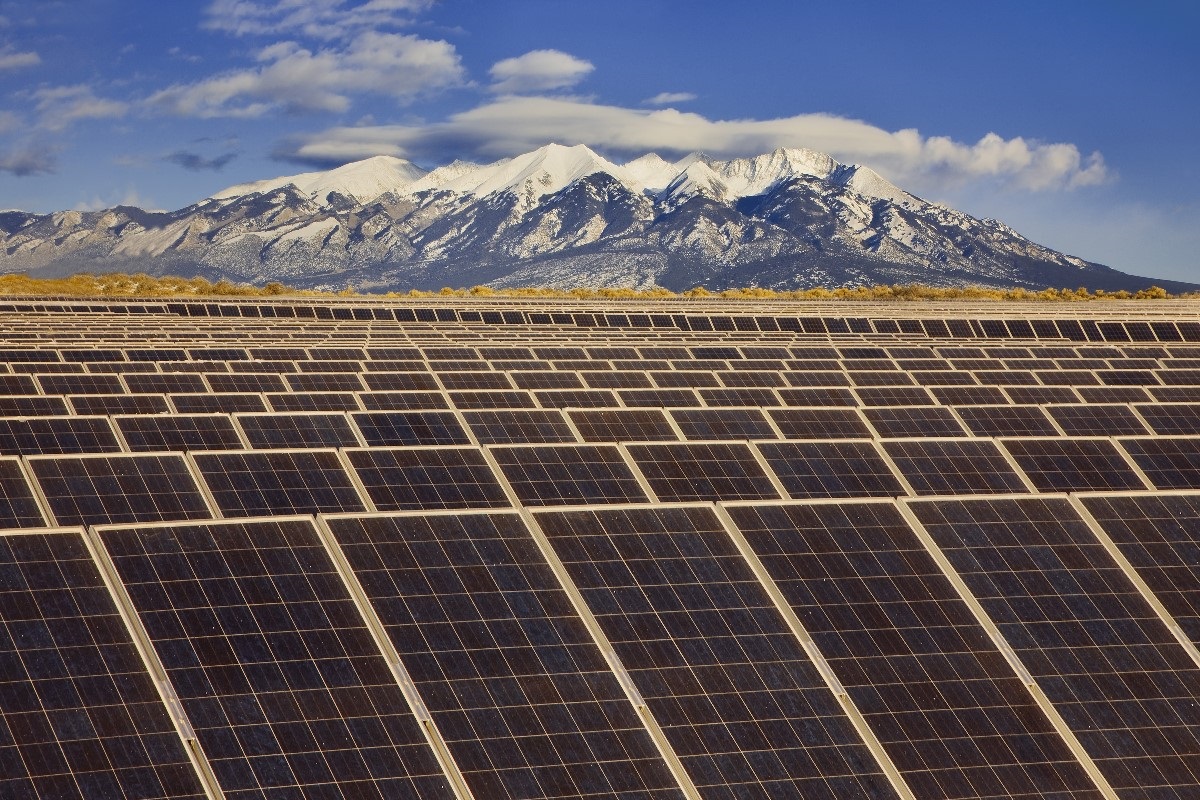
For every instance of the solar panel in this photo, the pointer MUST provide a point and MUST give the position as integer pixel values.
(702, 471)
(1158, 534)
(723, 423)
(95, 490)
(18, 507)
(33, 406)
(831, 469)
(969, 395)
(254, 382)
(519, 426)
(394, 428)
(747, 396)
(217, 403)
(547, 379)
(1097, 420)
(920, 421)
(400, 381)
(1169, 463)
(177, 383)
(475, 380)
(1171, 419)
(1073, 465)
(402, 401)
(569, 475)
(81, 384)
(427, 478)
(954, 466)
(17, 385)
(248, 484)
(658, 398)
(817, 397)
(575, 398)
(736, 695)
(1006, 421)
(105, 404)
(893, 396)
(622, 425)
(313, 401)
(953, 716)
(624, 379)
(1120, 680)
(282, 682)
(52, 435)
(1039, 395)
(267, 431)
(492, 399)
(80, 716)
(820, 423)
(512, 677)
(324, 382)
(179, 432)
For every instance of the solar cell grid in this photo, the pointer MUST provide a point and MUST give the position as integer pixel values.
(280, 677)
(921, 421)
(400, 381)
(568, 475)
(56, 435)
(832, 396)
(107, 404)
(735, 694)
(395, 428)
(1168, 462)
(324, 382)
(953, 716)
(220, 403)
(622, 425)
(1171, 418)
(1114, 672)
(519, 426)
(80, 716)
(699, 424)
(1095, 419)
(96, 490)
(1073, 465)
(511, 675)
(893, 396)
(831, 469)
(1158, 535)
(81, 384)
(258, 483)
(703, 471)
(267, 431)
(18, 507)
(954, 466)
(179, 432)
(820, 423)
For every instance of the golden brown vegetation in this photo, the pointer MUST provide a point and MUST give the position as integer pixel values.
(140, 285)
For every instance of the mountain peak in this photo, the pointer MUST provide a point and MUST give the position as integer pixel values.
(361, 180)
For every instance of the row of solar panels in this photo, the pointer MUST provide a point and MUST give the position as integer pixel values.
(1026, 647)
(109, 488)
(1075, 329)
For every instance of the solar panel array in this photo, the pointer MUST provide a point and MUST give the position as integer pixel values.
(517, 550)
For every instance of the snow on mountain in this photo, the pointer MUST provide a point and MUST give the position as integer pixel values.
(870, 183)
(558, 216)
(747, 177)
(652, 172)
(361, 180)
(534, 175)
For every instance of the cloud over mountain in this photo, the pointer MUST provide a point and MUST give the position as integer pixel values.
(538, 71)
(511, 125)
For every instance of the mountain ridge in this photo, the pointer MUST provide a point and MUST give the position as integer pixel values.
(560, 217)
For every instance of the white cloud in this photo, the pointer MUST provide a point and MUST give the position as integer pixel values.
(9, 121)
(60, 106)
(13, 59)
(296, 79)
(667, 98)
(317, 19)
(538, 71)
(512, 125)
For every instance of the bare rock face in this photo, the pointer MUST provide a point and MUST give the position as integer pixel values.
(560, 217)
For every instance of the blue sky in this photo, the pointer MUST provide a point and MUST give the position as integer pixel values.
(1077, 123)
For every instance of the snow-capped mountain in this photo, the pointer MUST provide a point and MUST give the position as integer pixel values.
(558, 216)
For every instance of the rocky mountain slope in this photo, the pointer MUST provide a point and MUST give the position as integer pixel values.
(560, 217)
